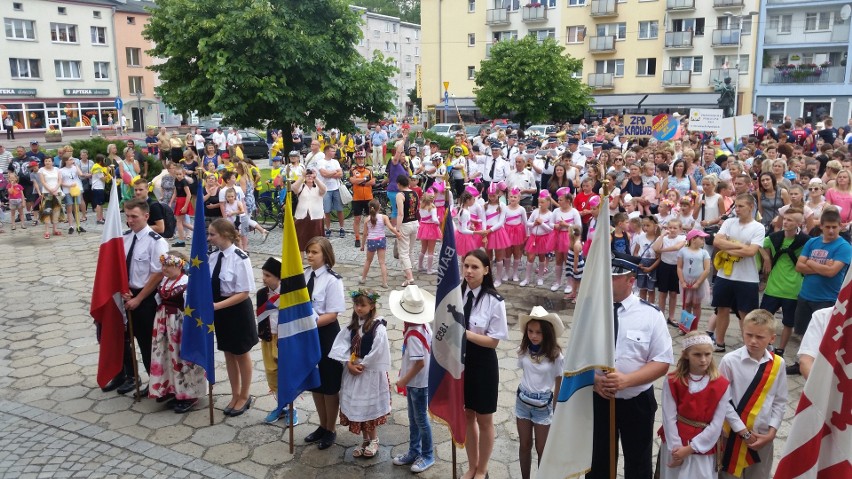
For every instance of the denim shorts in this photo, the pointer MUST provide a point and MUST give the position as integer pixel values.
(374, 245)
(331, 201)
(538, 415)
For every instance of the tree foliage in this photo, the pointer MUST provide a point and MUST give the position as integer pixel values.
(531, 80)
(283, 61)
(406, 10)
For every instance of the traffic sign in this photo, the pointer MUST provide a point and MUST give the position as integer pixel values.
(446, 85)
(119, 104)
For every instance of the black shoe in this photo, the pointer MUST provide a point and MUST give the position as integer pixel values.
(71, 230)
(794, 370)
(167, 397)
(357, 243)
(316, 435)
(328, 233)
(327, 440)
(129, 385)
(342, 233)
(779, 352)
(185, 406)
(240, 411)
(179, 244)
(115, 383)
(718, 348)
(81, 230)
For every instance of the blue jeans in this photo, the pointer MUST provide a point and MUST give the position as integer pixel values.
(392, 199)
(420, 433)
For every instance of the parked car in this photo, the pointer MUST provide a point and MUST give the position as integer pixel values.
(473, 130)
(254, 146)
(541, 130)
(446, 129)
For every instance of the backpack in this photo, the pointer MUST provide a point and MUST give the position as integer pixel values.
(777, 239)
(169, 220)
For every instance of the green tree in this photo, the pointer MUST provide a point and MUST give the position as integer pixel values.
(531, 80)
(288, 62)
(406, 10)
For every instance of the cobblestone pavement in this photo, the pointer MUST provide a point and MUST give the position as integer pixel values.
(51, 407)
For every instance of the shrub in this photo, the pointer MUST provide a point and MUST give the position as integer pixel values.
(444, 142)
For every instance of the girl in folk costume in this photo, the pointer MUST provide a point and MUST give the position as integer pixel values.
(516, 228)
(495, 239)
(466, 237)
(364, 351)
(429, 232)
(695, 398)
(172, 379)
(564, 218)
(540, 242)
(574, 263)
(540, 360)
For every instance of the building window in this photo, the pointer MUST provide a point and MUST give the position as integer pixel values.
(616, 67)
(407, 39)
(62, 10)
(408, 58)
(377, 34)
(577, 74)
(96, 14)
(417, 34)
(550, 3)
(646, 67)
(387, 27)
(576, 34)
(649, 29)
(815, 22)
(471, 39)
(19, 29)
(694, 25)
(471, 6)
(416, 51)
(101, 70)
(619, 30)
(63, 33)
(724, 62)
(695, 64)
(508, 35)
(541, 35)
(24, 68)
(471, 73)
(393, 25)
(18, 7)
(576, 3)
(67, 69)
(783, 24)
(387, 46)
(777, 111)
(135, 85)
(407, 74)
(510, 5)
(99, 36)
(133, 55)
(395, 47)
(131, 20)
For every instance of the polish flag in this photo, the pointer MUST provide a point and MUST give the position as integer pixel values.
(107, 306)
(819, 445)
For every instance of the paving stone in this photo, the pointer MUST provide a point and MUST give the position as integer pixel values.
(214, 435)
(227, 453)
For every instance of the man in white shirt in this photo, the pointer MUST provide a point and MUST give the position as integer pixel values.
(511, 150)
(220, 140)
(494, 168)
(523, 179)
(314, 157)
(198, 141)
(330, 173)
(234, 139)
(5, 158)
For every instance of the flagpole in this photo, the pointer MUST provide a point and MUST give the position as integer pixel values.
(291, 428)
(210, 401)
(136, 397)
(455, 469)
(613, 447)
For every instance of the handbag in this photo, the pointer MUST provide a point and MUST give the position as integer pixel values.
(345, 195)
(534, 402)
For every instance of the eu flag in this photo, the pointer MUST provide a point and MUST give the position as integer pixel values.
(196, 344)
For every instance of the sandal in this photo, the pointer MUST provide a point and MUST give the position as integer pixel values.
(57, 233)
(372, 448)
(359, 450)
(47, 236)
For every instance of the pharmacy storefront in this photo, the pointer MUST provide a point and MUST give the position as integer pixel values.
(75, 109)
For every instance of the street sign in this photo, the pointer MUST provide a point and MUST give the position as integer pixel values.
(705, 119)
(119, 104)
(446, 85)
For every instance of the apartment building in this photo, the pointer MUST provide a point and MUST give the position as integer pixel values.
(638, 55)
(399, 41)
(136, 82)
(802, 67)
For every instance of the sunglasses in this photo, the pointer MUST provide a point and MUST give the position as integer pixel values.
(815, 189)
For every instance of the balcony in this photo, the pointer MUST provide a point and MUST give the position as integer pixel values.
(679, 39)
(678, 5)
(604, 8)
(838, 33)
(719, 74)
(791, 74)
(728, 3)
(726, 37)
(677, 78)
(534, 14)
(601, 81)
(497, 16)
(604, 44)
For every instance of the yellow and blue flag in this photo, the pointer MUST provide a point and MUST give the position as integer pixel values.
(196, 344)
(298, 338)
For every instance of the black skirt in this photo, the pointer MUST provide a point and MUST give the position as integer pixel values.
(481, 376)
(331, 371)
(236, 329)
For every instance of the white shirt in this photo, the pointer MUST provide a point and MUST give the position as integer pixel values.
(572, 217)
(146, 255)
(488, 314)
(220, 139)
(751, 233)
(199, 142)
(816, 330)
(415, 351)
(501, 168)
(235, 138)
(643, 337)
(235, 275)
(328, 294)
(739, 368)
(331, 184)
(523, 180)
(312, 160)
(539, 377)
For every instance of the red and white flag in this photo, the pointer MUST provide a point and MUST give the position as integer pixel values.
(819, 445)
(110, 282)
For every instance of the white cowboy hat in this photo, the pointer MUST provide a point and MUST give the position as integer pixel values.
(412, 305)
(541, 314)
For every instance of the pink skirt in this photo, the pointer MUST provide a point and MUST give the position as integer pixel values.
(540, 244)
(517, 234)
(466, 243)
(498, 240)
(561, 241)
(441, 211)
(429, 231)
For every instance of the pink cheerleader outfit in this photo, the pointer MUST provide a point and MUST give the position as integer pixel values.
(430, 228)
(440, 201)
(495, 218)
(466, 240)
(516, 225)
(561, 234)
(541, 236)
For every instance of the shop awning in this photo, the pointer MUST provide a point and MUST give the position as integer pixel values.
(676, 100)
(616, 101)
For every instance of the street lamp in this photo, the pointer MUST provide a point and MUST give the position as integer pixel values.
(739, 48)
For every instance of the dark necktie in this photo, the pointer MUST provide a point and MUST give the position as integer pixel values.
(468, 307)
(129, 259)
(615, 307)
(311, 284)
(215, 281)
(493, 166)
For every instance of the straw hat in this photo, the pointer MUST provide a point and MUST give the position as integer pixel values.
(540, 314)
(412, 305)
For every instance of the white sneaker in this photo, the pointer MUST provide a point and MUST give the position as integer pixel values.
(497, 283)
(515, 278)
(555, 286)
(524, 283)
(432, 271)
(505, 278)
(568, 289)
(539, 282)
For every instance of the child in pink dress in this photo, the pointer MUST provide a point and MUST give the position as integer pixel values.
(429, 232)
(540, 241)
(564, 218)
(466, 237)
(496, 240)
(516, 229)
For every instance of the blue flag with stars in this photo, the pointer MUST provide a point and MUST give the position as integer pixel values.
(196, 344)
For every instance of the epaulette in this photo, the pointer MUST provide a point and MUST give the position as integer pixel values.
(242, 254)
(127, 232)
(154, 235)
(334, 273)
(650, 304)
(496, 295)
